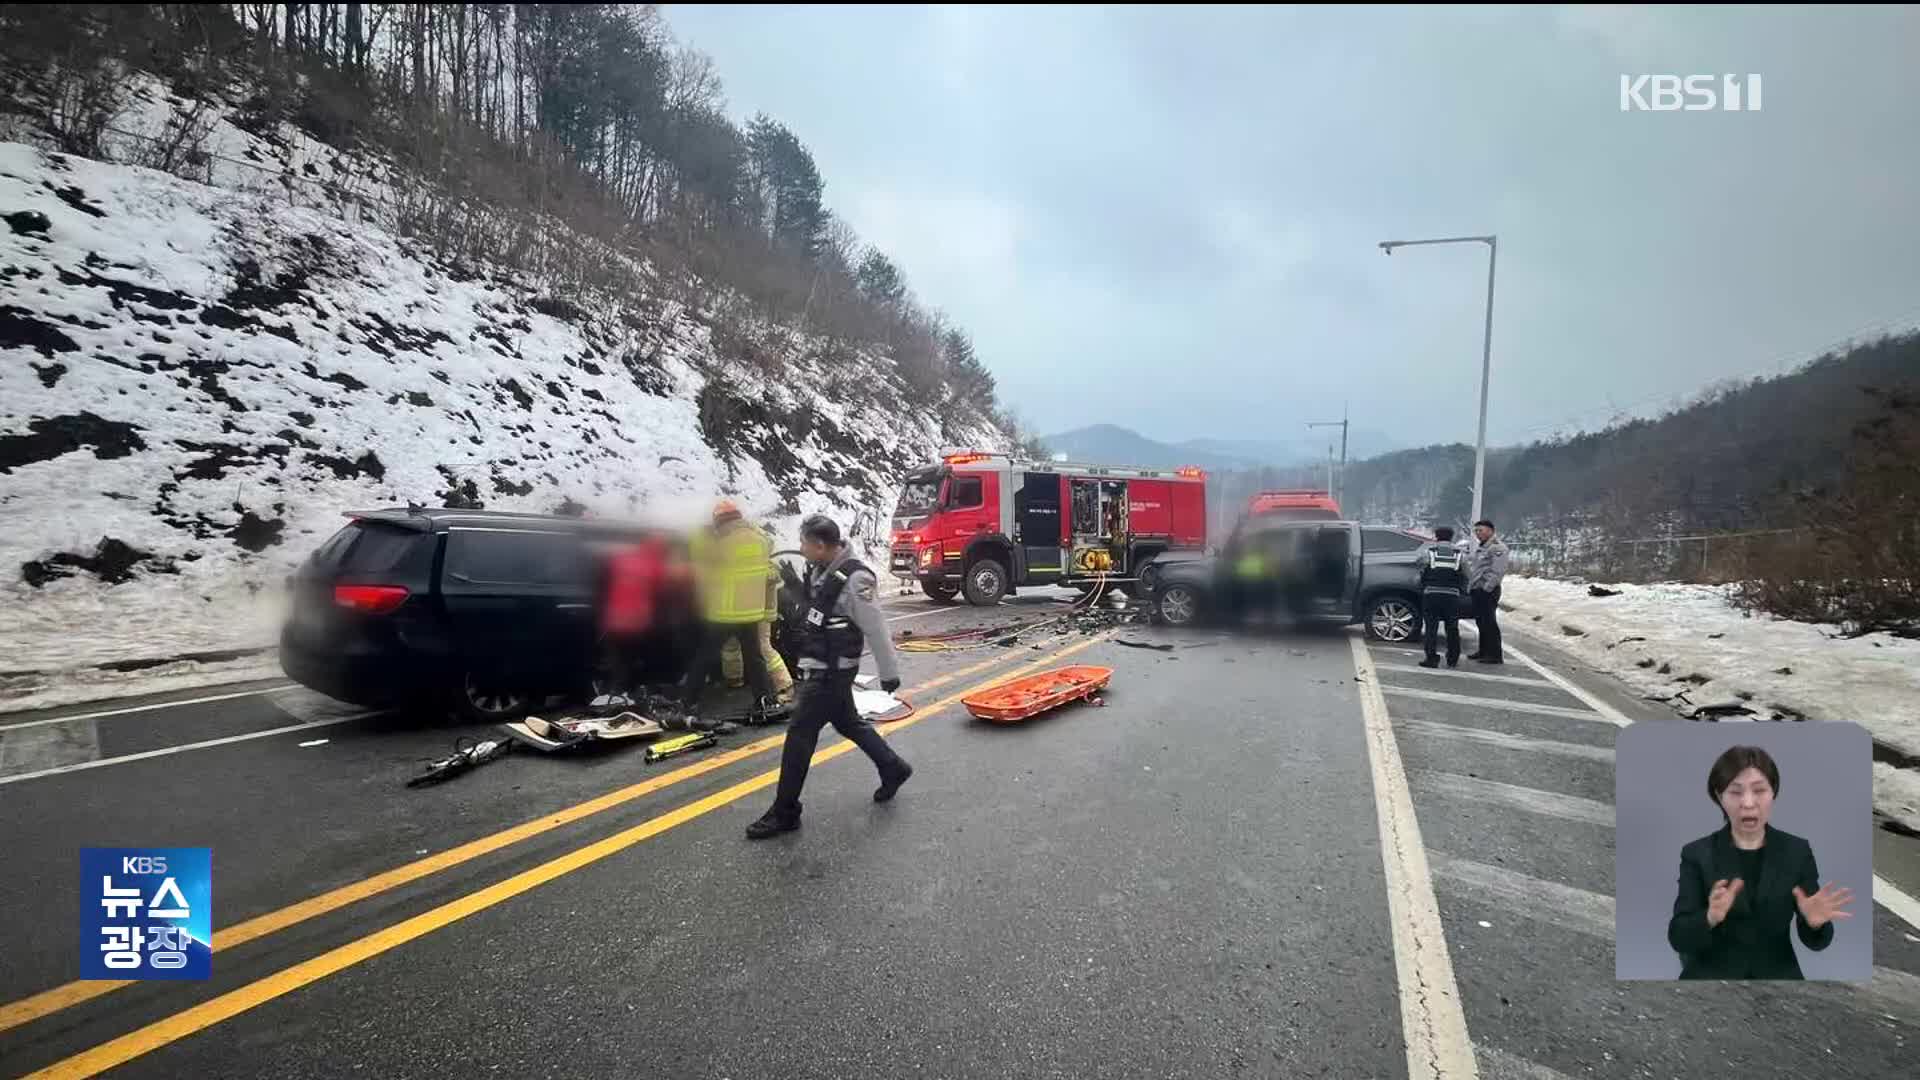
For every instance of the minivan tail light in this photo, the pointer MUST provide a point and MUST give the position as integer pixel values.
(369, 599)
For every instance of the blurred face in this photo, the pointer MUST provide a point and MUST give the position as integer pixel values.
(1482, 533)
(815, 551)
(1748, 801)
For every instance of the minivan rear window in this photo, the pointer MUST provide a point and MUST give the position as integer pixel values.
(380, 548)
(328, 555)
(365, 549)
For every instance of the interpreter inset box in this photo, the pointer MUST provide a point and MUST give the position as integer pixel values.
(1743, 851)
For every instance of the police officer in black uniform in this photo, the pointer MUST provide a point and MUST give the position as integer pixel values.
(838, 622)
(1442, 579)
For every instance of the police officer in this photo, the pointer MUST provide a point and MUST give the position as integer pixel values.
(1487, 569)
(1441, 582)
(838, 622)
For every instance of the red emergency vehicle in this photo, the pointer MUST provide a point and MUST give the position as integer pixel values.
(1295, 504)
(984, 524)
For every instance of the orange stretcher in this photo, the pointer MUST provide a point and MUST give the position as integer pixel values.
(1036, 693)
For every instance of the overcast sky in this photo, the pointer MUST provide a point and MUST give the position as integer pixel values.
(1167, 217)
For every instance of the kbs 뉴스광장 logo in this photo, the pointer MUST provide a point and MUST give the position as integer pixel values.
(146, 913)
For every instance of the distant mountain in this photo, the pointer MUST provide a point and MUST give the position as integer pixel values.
(1110, 444)
(1115, 445)
(1734, 459)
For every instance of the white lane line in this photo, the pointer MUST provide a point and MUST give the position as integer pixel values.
(1519, 894)
(1497, 1064)
(1504, 741)
(1891, 897)
(1530, 800)
(313, 742)
(1432, 1021)
(1890, 993)
(104, 762)
(916, 614)
(147, 708)
(1612, 714)
(1449, 673)
(1492, 703)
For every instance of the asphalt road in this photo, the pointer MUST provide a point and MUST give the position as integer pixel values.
(1189, 881)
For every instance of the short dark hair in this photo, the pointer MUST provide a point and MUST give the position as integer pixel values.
(1736, 760)
(820, 528)
(1443, 532)
(1488, 522)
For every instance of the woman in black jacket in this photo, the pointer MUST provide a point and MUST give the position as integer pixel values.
(1741, 885)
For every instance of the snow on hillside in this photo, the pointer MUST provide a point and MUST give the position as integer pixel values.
(1667, 639)
(199, 380)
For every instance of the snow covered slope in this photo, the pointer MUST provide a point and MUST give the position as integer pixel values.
(1671, 640)
(196, 381)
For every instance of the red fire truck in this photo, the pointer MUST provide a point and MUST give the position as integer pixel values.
(984, 524)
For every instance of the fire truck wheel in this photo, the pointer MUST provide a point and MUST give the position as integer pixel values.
(986, 583)
(940, 591)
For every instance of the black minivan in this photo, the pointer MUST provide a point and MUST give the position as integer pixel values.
(485, 612)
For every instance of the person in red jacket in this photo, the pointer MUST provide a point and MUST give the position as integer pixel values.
(637, 622)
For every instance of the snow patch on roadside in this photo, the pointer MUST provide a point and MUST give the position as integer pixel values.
(1715, 653)
(25, 693)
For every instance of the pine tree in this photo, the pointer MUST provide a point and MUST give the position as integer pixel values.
(791, 186)
(879, 280)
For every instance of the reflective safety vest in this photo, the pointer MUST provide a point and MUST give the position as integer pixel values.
(1250, 566)
(821, 635)
(734, 566)
(1444, 572)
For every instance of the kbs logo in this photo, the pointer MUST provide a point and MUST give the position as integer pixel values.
(1689, 93)
(146, 913)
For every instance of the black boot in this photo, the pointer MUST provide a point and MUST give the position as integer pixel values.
(890, 783)
(1430, 662)
(772, 823)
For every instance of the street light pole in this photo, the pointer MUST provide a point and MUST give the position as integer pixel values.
(1339, 495)
(1486, 351)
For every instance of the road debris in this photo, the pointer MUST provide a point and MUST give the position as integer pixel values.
(467, 755)
(683, 744)
(1085, 616)
(574, 732)
(880, 707)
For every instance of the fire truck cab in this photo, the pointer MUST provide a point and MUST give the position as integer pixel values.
(982, 525)
(1294, 504)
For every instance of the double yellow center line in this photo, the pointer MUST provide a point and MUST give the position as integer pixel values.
(178, 1026)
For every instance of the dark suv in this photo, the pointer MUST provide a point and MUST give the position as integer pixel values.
(486, 612)
(1356, 574)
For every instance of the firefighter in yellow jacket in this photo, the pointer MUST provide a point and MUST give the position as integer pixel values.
(777, 674)
(731, 564)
